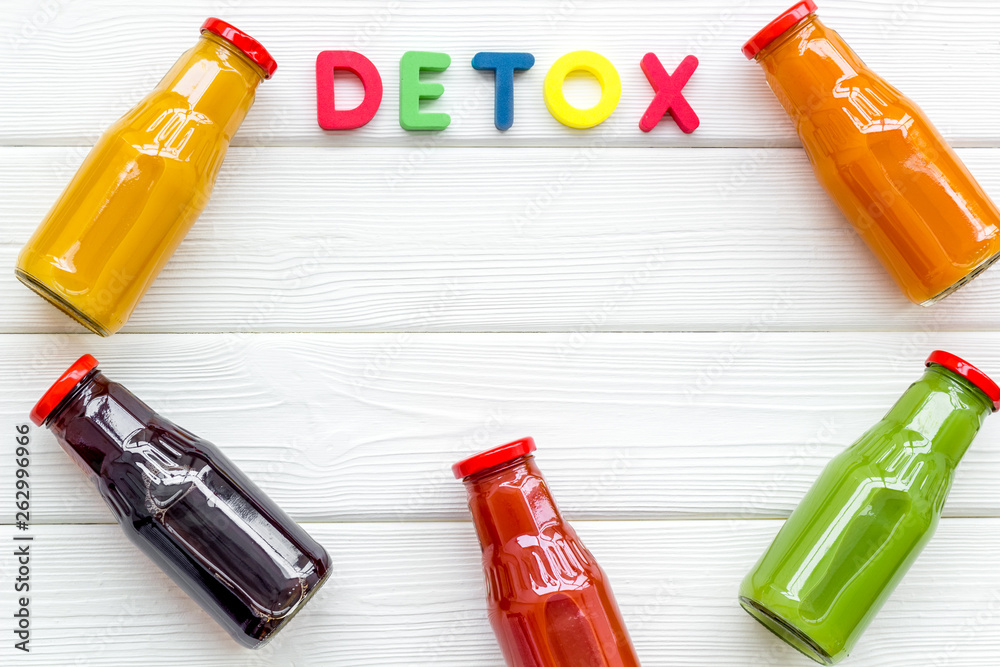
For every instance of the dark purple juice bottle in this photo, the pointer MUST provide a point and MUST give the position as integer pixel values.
(181, 501)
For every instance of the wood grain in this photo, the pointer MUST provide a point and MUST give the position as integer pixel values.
(308, 239)
(629, 426)
(412, 594)
(71, 68)
(689, 332)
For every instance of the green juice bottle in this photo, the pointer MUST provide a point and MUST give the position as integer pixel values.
(860, 527)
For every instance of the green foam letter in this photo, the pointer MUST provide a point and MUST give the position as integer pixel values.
(411, 90)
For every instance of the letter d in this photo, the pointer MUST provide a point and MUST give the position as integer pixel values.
(331, 118)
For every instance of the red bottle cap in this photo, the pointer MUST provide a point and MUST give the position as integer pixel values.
(778, 27)
(61, 388)
(253, 49)
(969, 372)
(493, 457)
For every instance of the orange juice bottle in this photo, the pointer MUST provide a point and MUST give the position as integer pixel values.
(144, 184)
(889, 170)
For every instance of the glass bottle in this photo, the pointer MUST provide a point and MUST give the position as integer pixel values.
(861, 526)
(879, 157)
(550, 603)
(144, 183)
(186, 506)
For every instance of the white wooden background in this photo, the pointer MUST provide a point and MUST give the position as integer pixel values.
(684, 323)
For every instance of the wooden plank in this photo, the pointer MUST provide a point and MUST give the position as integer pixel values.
(366, 427)
(412, 594)
(675, 453)
(71, 68)
(305, 239)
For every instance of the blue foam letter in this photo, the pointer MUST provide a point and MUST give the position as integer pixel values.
(503, 65)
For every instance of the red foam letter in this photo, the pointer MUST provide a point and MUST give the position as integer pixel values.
(668, 94)
(330, 118)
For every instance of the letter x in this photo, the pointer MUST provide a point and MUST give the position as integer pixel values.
(668, 94)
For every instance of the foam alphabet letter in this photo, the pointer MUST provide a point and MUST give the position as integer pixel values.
(412, 90)
(503, 65)
(329, 117)
(601, 69)
(668, 94)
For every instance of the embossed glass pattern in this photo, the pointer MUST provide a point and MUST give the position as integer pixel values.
(550, 603)
(140, 189)
(195, 514)
(860, 527)
(879, 157)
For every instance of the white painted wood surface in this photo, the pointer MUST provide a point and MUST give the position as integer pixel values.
(316, 239)
(100, 56)
(412, 593)
(365, 427)
(689, 332)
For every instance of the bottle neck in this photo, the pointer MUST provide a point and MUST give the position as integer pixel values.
(96, 420)
(511, 500)
(807, 65)
(215, 79)
(945, 409)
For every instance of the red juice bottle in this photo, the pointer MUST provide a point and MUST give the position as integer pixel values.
(186, 506)
(550, 603)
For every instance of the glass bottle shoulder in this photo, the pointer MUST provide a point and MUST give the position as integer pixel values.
(156, 467)
(529, 550)
(893, 457)
(195, 110)
(823, 84)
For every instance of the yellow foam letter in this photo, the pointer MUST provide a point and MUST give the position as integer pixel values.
(602, 70)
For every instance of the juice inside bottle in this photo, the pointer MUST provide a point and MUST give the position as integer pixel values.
(866, 519)
(189, 509)
(893, 175)
(550, 603)
(141, 188)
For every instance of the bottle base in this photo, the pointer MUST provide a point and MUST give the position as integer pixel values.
(972, 275)
(288, 618)
(787, 632)
(43, 291)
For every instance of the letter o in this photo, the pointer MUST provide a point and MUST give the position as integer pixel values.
(601, 69)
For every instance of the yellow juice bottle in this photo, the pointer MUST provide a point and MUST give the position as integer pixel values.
(144, 183)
